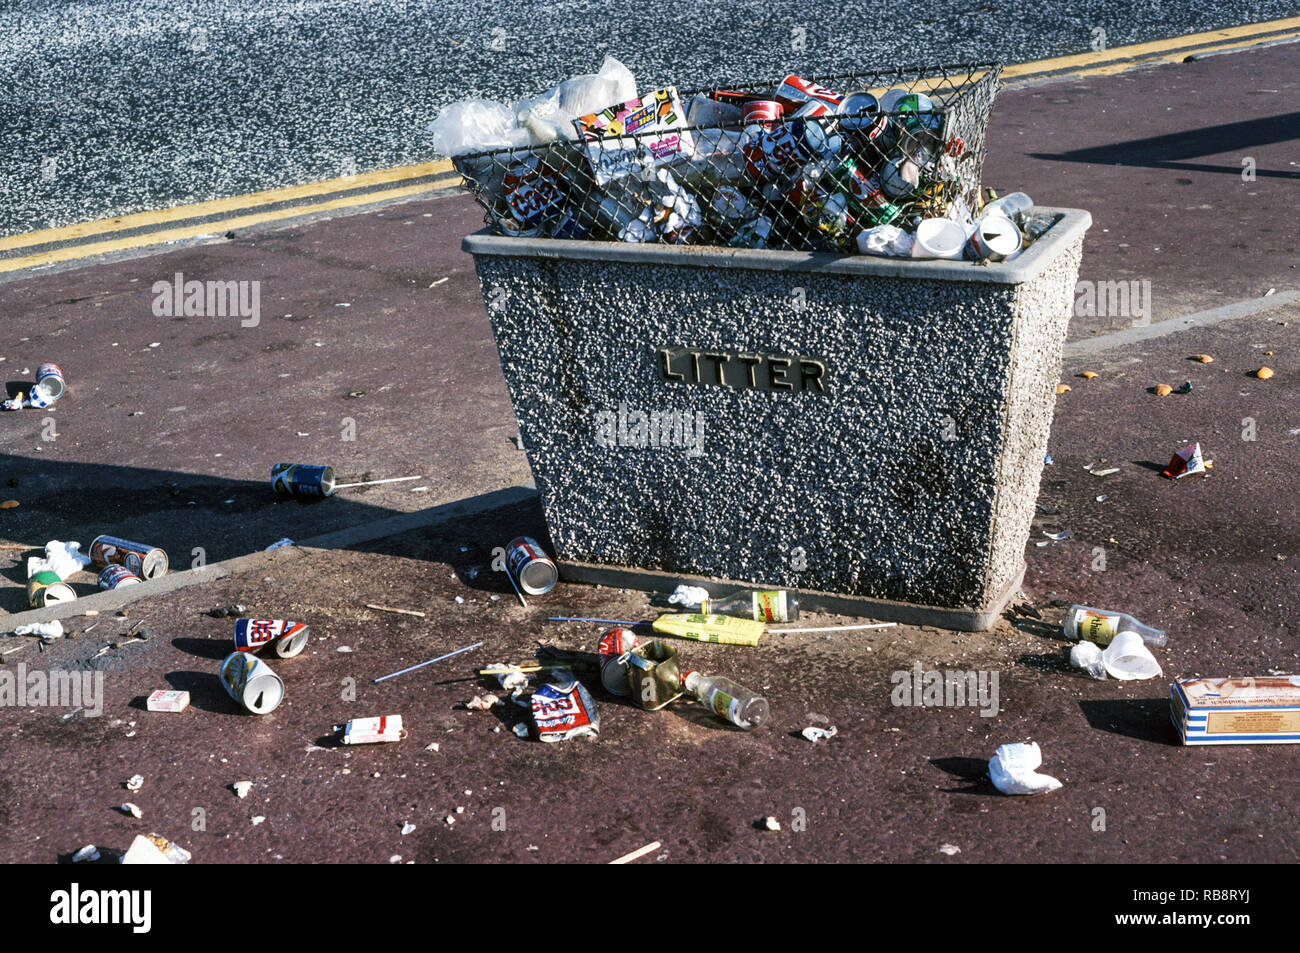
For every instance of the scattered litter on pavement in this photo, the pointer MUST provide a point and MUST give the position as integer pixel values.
(638, 853)
(949, 849)
(1087, 656)
(45, 588)
(1203, 358)
(1250, 710)
(241, 788)
(1061, 536)
(286, 637)
(134, 783)
(365, 731)
(430, 662)
(8, 504)
(1101, 499)
(141, 559)
(613, 649)
(87, 855)
(414, 612)
(302, 479)
(1186, 462)
(257, 820)
(1106, 472)
(154, 849)
(771, 823)
(1185, 387)
(408, 828)
(529, 568)
(1163, 390)
(1102, 625)
(348, 486)
(729, 701)
(689, 597)
(1264, 373)
(815, 734)
(1014, 770)
(132, 809)
(49, 387)
(1088, 375)
(251, 683)
(836, 628)
(483, 702)
(563, 709)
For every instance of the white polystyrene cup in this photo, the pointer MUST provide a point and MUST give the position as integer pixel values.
(1127, 658)
(939, 238)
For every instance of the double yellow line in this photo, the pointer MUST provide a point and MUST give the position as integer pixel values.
(122, 233)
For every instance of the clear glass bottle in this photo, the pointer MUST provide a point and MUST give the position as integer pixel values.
(773, 605)
(729, 701)
(1011, 206)
(1102, 625)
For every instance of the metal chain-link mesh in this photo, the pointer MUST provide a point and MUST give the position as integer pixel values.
(794, 164)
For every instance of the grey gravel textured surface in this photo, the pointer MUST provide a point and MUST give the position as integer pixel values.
(115, 106)
(912, 478)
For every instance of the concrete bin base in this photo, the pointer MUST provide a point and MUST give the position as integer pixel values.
(867, 431)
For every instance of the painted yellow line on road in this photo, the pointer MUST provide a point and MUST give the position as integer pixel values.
(1105, 62)
(73, 252)
(203, 209)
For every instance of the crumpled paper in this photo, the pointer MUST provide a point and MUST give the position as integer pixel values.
(62, 559)
(46, 630)
(689, 597)
(1014, 770)
(887, 240)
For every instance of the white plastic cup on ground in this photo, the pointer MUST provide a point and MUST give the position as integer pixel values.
(1127, 658)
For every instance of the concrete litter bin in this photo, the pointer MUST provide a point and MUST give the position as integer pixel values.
(868, 431)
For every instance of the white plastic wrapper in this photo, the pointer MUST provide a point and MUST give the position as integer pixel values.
(1127, 658)
(887, 240)
(1014, 770)
(476, 125)
(61, 558)
(689, 597)
(1087, 656)
(46, 630)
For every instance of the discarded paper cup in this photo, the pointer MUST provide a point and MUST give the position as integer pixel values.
(653, 676)
(288, 638)
(114, 576)
(142, 559)
(531, 567)
(45, 588)
(302, 479)
(1127, 658)
(939, 238)
(251, 682)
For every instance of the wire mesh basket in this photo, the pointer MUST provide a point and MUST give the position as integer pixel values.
(793, 164)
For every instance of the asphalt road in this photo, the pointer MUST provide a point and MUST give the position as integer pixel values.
(113, 106)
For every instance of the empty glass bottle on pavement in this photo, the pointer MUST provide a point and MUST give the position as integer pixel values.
(729, 701)
(1102, 625)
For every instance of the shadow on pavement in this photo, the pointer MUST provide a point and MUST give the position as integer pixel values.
(1132, 717)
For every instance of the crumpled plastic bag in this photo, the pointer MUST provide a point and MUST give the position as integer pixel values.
(46, 630)
(550, 116)
(476, 125)
(1013, 769)
(888, 240)
(689, 597)
(1087, 656)
(62, 559)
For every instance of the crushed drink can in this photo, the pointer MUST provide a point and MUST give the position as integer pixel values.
(532, 193)
(531, 567)
(794, 91)
(654, 678)
(614, 644)
(145, 561)
(900, 178)
(367, 731)
(47, 589)
(918, 115)
(113, 576)
(250, 682)
(302, 479)
(1186, 462)
(288, 638)
(50, 379)
(563, 709)
(163, 700)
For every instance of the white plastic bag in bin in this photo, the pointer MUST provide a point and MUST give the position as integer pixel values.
(476, 125)
(550, 116)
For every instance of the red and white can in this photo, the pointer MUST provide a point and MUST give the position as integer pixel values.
(531, 567)
(794, 91)
(614, 645)
(114, 576)
(761, 111)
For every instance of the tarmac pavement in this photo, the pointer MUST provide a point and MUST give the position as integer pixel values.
(1212, 559)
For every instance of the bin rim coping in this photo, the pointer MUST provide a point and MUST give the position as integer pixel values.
(1029, 265)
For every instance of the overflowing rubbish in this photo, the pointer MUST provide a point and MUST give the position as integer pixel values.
(141, 559)
(251, 683)
(1186, 462)
(366, 731)
(1236, 711)
(49, 387)
(764, 606)
(302, 479)
(881, 163)
(163, 700)
(1127, 658)
(288, 638)
(563, 709)
(412, 668)
(528, 563)
(1102, 625)
(1013, 769)
(728, 700)
(153, 849)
